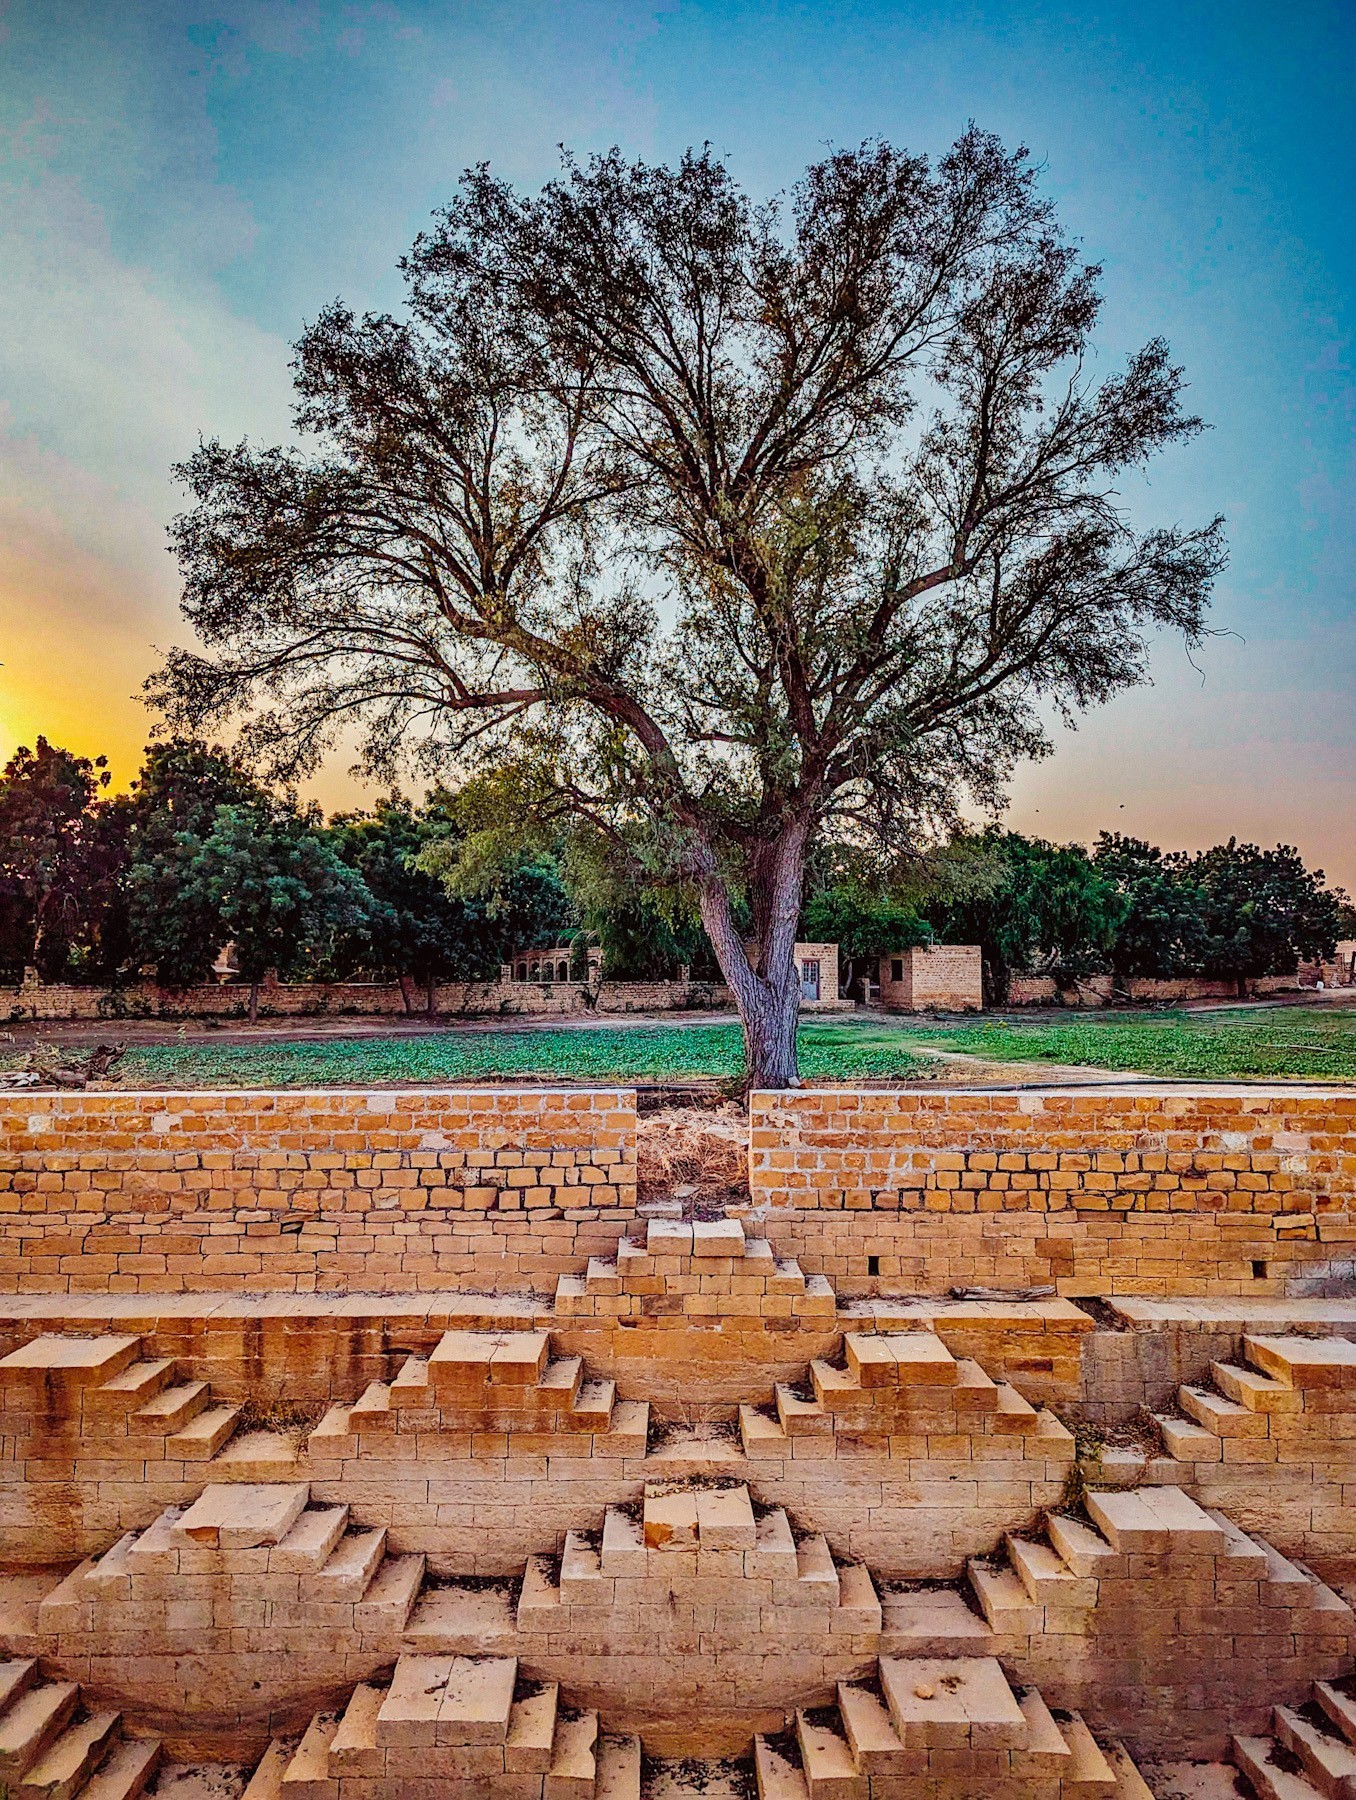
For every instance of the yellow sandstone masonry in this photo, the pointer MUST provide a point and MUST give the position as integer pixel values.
(310, 1191)
(1126, 1189)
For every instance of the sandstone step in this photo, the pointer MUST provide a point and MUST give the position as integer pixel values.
(308, 1546)
(774, 1546)
(870, 1360)
(1259, 1393)
(668, 1237)
(1329, 1760)
(571, 1294)
(1339, 1706)
(581, 1571)
(952, 1703)
(561, 1378)
(1304, 1362)
(834, 1387)
(1005, 1603)
(462, 1621)
(619, 1766)
(447, 1700)
(799, 1417)
(1046, 1576)
(126, 1771)
(65, 1364)
(921, 1358)
(859, 1607)
(1153, 1519)
(353, 1750)
(204, 1436)
(1090, 1776)
(815, 1565)
(1188, 1441)
(390, 1595)
(1225, 1418)
(60, 1772)
(1013, 1414)
(601, 1277)
(1240, 1549)
(867, 1728)
(1131, 1785)
(623, 1547)
(352, 1563)
(32, 1722)
(242, 1517)
(1046, 1750)
(777, 1775)
(818, 1301)
(1272, 1770)
(172, 1407)
(787, 1277)
(307, 1776)
(934, 1622)
(574, 1760)
(412, 1387)
(592, 1407)
(67, 1607)
(17, 1675)
(761, 1435)
(136, 1386)
(1083, 1549)
(266, 1781)
(827, 1762)
(532, 1731)
(1285, 1579)
(717, 1237)
(333, 1435)
(259, 1456)
(725, 1519)
(628, 1430)
(464, 1361)
(372, 1407)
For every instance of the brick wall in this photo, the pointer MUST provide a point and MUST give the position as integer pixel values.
(1140, 1191)
(1101, 990)
(310, 1191)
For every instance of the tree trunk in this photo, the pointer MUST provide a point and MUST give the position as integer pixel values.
(407, 994)
(766, 987)
(433, 996)
(254, 1003)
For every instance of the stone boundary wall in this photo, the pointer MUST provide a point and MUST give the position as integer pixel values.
(37, 1001)
(1128, 1189)
(307, 1191)
(1100, 990)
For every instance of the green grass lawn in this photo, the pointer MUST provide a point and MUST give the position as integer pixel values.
(1230, 1043)
(1235, 1043)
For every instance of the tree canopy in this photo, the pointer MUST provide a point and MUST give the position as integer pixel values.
(756, 522)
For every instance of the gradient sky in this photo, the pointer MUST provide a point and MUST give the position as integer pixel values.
(183, 184)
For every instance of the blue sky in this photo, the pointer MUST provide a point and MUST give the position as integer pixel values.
(182, 185)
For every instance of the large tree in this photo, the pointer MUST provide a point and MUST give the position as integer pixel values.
(51, 854)
(735, 524)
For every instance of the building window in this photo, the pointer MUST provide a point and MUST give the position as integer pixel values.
(809, 980)
(563, 972)
(897, 969)
(522, 971)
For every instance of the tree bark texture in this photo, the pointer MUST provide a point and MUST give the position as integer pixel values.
(765, 985)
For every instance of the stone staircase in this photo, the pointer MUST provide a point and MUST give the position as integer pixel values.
(695, 1269)
(503, 1382)
(106, 1390)
(54, 1747)
(240, 1554)
(1311, 1754)
(921, 1720)
(1287, 1392)
(456, 1726)
(893, 1382)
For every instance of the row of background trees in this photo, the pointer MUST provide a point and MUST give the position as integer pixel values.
(99, 888)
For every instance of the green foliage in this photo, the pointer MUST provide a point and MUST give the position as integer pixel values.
(51, 856)
(271, 884)
(1051, 913)
(1262, 911)
(1161, 932)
